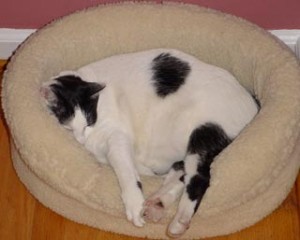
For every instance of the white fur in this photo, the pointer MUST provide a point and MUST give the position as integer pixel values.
(140, 132)
(159, 128)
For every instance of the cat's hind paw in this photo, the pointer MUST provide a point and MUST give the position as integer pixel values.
(153, 210)
(177, 228)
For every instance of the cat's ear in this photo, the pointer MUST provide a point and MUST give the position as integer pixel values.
(94, 89)
(47, 94)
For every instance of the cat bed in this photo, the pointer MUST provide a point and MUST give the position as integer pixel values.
(249, 179)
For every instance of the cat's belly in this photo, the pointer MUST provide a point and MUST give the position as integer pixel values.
(158, 157)
(155, 165)
(163, 140)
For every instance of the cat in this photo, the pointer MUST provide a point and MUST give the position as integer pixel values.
(155, 112)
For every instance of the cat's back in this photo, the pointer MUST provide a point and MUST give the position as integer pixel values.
(161, 66)
(121, 68)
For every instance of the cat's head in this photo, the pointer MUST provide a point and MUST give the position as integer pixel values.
(72, 101)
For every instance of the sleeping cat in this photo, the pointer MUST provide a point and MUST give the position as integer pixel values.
(156, 112)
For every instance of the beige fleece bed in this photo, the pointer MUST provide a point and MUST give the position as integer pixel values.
(249, 179)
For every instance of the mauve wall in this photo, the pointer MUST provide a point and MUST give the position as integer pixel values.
(269, 14)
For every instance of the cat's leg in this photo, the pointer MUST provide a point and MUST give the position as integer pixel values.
(196, 181)
(120, 157)
(205, 143)
(156, 204)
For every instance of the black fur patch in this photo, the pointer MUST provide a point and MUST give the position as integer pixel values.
(178, 166)
(196, 188)
(169, 73)
(207, 141)
(181, 179)
(72, 92)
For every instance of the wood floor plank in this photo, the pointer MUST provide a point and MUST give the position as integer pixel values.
(297, 188)
(2, 63)
(282, 224)
(51, 225)
(24, 218)
(16, 205)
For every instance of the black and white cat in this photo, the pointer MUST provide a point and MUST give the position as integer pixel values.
(156, 112)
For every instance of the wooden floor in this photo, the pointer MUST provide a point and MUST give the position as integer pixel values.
(23, 218)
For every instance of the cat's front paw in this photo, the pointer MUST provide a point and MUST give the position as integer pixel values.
(134, 206)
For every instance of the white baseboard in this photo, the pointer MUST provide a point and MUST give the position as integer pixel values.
(290, 38)
(11, 38)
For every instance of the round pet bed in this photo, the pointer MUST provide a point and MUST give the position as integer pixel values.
(249, 179)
